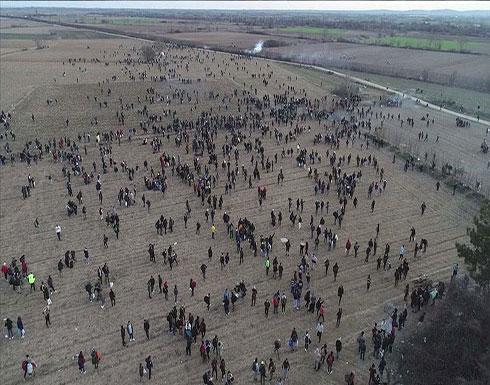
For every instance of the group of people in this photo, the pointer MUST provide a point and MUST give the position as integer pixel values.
(337, 179)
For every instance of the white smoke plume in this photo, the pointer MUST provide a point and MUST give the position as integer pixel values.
(258, 47)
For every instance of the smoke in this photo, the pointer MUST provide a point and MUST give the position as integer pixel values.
(258, 47)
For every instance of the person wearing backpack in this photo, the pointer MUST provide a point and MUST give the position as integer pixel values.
(28, 366)
(95, 358)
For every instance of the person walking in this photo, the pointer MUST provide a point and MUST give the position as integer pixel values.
(20, 328)
(58, 232)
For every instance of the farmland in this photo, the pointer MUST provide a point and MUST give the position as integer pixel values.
(419, 43)
(314, 30)
(82, 83)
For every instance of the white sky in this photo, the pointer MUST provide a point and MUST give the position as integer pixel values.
(262, 5)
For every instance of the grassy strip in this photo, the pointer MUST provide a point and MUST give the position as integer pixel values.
(421, 43)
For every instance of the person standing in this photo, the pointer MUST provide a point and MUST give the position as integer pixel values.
(149, 366)
(123, 335)
(141, 372)
(207, 300)
(339, 316)
(338, 346)
(95, 358)
(32, 281)
(176, 293)
(307, 341)
(20, 328)
(81, 363)
(267, 305)
(319, 331)
(112, 296)
(285, 369)
(368, 284)
(129, 328)
(9, 325)
(330, 361)
(58, 232)
(146, 327)
(255, 369)
(46, 316)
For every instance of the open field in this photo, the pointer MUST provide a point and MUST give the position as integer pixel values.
(412, 42)
(345, 48)
(438, 67)
(176, 90)
(314, 30)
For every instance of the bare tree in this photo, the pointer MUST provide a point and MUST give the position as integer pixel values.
(148, 53)
(462, 44)
(452, 78)
(39, 44)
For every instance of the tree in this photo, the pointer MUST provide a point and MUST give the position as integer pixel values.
(461, 44)
(148, 53)
(452, 78)
(39, 44)
(477, 257)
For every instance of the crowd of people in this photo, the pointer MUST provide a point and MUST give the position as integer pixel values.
(339, 169)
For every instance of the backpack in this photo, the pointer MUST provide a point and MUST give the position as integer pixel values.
(97, 353)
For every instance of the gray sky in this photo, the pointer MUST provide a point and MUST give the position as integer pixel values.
(262, 5)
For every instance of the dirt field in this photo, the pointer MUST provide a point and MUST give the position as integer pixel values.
(27, 80)
(234, 40)
(395, 61)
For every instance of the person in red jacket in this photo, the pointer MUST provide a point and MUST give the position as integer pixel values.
(330, 360)
(5, 270)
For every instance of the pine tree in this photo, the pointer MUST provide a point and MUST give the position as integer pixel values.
(477, 256)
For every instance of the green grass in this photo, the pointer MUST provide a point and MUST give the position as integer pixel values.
(314, 30)
(420, 43)
(68, 35)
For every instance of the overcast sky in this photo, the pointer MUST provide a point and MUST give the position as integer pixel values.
(262, 5)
